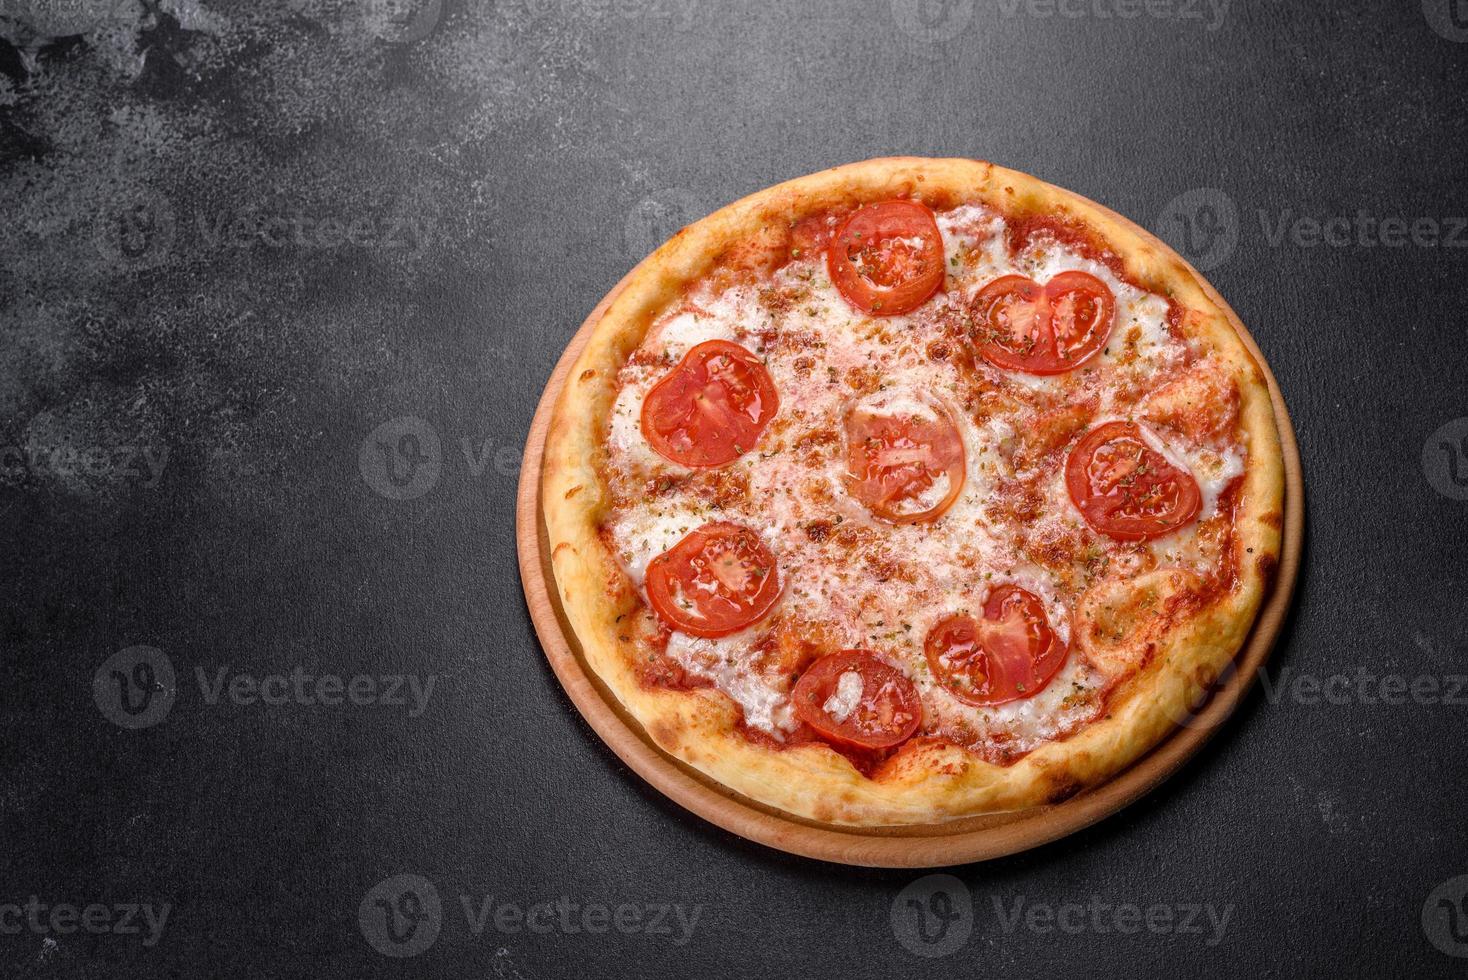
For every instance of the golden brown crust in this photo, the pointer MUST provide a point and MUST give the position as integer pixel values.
(929, 780)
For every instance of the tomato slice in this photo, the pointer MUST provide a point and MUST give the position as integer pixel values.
(887, 258)
(1022, 326)
(1010, 654)
(904, 456)
(1125, 488)
(853, 698)
(717, 580)
(710, 409)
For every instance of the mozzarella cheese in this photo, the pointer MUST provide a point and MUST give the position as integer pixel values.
(845, 697)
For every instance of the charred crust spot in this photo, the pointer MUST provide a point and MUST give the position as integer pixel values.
(1272, 519)
(574, 491)
(1205, 676)
(665, 734)
(1268, 566)
(1063, 788)
(588, 374)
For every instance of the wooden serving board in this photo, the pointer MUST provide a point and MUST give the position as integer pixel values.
(918, 846)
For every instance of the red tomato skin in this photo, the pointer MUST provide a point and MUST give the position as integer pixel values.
(663, 569)
(983, 308)
(734, 432)
(1096, 292)
(815, 686)
(1045, 356)
(961, 631)
(881, 222)
(1100, 511)
(941, 437)
(1012, 675)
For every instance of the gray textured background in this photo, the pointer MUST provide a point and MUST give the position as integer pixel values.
(241, 236)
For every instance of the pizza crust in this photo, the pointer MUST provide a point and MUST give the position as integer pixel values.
(928, 781)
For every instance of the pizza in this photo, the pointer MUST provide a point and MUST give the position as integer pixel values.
(911, 490)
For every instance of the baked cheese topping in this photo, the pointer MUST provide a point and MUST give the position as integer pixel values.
(852, 580)
(843, 700)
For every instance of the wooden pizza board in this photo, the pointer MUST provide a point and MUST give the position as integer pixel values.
(917, 846)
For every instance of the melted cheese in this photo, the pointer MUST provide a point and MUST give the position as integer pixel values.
(845, 697)
(724, 662)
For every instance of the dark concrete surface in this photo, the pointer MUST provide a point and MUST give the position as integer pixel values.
(247, 244)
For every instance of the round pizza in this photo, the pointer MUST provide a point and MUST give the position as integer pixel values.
(912, 490)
